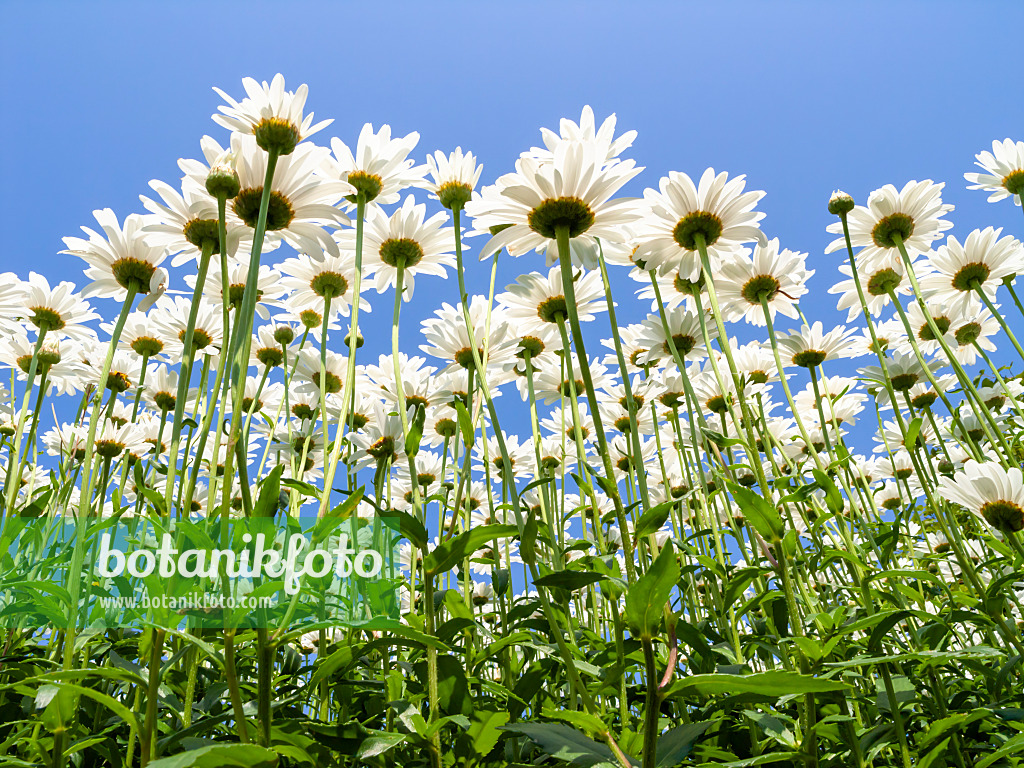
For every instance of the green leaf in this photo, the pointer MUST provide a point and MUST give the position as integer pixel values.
(528, 541)
(833, 498)
(772, 684)
(221, 756)
(565, 743)
(758, 512)
(444, 556)
(465, 422)
(913, 430)
(485, 730)
(409, 527)
(675, 745)
(646, 599)
(270, 494)
(340, 513)
(412, 440)
(379, 743)
(570, 580)
(652, 520)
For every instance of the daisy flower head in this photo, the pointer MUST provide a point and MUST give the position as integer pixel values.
(989, 491)
(927, 341)
(903, 370)
(379, 169)
(810, 346)
(715, 211)
(123, 259)
(536, 299)
(980, 263)
(633, 350)
(184, 222)
(555, 384)
(975, 328)
(57, 310)
(268, 284)
(571, 192)
(687, 338)
(452, 178)
(447, 338)
(418, 381)
(302, 200)
(755, 363)
(407, 243)
(381, 440)
(58, 360)
(877, 277)
(313, 280)
(170, 322)
(1004, 171)
(541, 341)
(777, 277)
(912, 215)
(585, 131)
(269, 113)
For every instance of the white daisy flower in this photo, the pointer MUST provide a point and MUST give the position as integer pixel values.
(123, 258)
(913, 214)
(185, 220)
(310, 279)
(448, 339)
(572, 190)
(1004, 171)
(536, 300)
(779, 277)
(379, 168)
(269, 113)
(687, 338)
(958, 271)
(716, 208)
(810, 346)
(453, 177)
(886, 272)
(585, 131)
(989, 491)
(58, 310)
(407, 241)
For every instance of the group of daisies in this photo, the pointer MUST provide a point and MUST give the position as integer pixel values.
(673, 408)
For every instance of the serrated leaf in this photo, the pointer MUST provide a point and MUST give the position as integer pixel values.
(446, 555)
(773, 684)
(646, 599)
(758, 512)
(652, 520)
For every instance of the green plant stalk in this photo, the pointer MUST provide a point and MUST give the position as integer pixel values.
(432, 691)
(185, 374)
(578, 439)
(85, 505)
(146, 742)
(1002, 321)
(965, 380)
(556, 630)
(565, 265)
(241, 334)
(348, 391)
(265, 651)
(652, 707)
(428, 578)
(14, 481)
(627, 386)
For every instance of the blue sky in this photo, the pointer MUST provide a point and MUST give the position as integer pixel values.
(802, 97)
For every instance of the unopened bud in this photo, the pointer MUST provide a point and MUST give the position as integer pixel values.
(840, 203)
